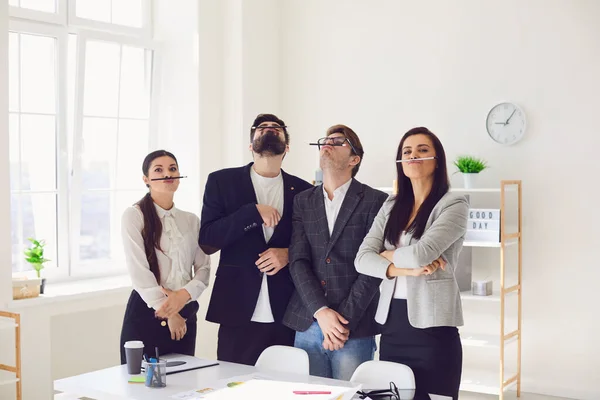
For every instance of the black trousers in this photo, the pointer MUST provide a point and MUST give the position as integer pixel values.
(140, 323)
(434, 354)
(243, 344)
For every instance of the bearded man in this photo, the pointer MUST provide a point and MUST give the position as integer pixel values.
(247, 215)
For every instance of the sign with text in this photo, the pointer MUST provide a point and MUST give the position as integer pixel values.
(483, 225)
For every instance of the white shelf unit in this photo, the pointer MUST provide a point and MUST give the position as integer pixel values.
(477, 380)
(12, 374)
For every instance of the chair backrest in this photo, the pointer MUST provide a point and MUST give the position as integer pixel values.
(376, 374)
(283, 359)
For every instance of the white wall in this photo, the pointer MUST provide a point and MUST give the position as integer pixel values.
(383, 67)
(5, 250)
(176, 31)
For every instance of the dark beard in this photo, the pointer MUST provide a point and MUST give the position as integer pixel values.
(268, 144)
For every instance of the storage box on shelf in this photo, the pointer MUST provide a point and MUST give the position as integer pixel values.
(476, 379)
(12, 374)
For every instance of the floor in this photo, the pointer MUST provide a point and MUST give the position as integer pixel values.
(463, 396)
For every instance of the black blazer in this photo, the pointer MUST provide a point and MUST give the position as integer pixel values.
(231, 223)
(322, 268)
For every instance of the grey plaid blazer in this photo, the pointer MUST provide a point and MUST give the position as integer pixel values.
(322, 267)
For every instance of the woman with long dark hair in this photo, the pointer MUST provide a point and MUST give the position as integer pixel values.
(413, 245)
(168, 270)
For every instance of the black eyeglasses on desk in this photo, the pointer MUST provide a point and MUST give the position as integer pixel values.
(381, 394)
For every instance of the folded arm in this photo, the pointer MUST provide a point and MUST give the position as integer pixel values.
(448, 227)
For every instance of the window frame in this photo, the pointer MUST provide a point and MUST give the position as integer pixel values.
(62, 167)
(98, 268)
(68, 161)
(145, 32)
(58, 18)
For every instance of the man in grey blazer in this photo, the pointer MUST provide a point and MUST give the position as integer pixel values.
(333, 306)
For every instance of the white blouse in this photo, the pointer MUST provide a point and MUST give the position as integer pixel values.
(180, 252)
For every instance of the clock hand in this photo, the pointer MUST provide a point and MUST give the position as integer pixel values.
(500, 123)
(513, 113)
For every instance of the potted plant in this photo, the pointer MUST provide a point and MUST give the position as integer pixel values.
(469, 167)
(35, 256)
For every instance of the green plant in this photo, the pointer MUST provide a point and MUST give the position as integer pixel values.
(470, 165)
(35, 255)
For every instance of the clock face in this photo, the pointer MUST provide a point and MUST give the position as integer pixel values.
(506, 123)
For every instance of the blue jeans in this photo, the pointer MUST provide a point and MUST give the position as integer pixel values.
(339, 364)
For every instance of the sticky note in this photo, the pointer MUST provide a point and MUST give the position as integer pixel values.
(137, 379)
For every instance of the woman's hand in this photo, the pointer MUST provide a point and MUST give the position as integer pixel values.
(177, 327)
(388, 255)
(174, 303)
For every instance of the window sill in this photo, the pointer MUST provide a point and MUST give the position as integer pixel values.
(76, 290)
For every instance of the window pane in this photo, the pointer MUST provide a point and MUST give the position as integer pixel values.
(99, 152)
(13, 71)
(101, 90)
(132, 148)
(38, 152)
(13, 151)
(13, 3)
(135, 82)
(127, 12)
(38, 213)
(97, 10)
(16, 235)
(123, 200)
(94, 240)
(40, 5)
(38, 74)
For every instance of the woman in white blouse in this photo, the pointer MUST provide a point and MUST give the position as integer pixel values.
(168, 270)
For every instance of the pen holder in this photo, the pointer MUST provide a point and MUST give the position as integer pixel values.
(156, 374)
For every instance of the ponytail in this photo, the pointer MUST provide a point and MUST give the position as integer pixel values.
(151, 233)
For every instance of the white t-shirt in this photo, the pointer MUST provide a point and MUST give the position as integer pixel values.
(269, 191)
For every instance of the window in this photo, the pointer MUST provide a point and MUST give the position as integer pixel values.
(79, 126)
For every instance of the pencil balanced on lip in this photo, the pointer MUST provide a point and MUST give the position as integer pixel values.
(168, 178)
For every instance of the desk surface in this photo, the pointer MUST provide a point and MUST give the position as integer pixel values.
(112, 383)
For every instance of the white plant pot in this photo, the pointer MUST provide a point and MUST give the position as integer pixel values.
(470, 180)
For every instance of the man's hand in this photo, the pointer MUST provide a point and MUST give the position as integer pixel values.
(269, 215)
(330, 323)
(174, 303)
(177, 327)
(272, 261)
(328, 345)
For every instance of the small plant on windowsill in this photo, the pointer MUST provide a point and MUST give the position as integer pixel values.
(35, 256)
(470, 167)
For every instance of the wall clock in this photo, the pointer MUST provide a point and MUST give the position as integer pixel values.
(506, 123)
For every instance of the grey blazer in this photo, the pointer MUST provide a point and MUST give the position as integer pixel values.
(432, 300)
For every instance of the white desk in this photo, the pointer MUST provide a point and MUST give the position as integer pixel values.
(112, 383)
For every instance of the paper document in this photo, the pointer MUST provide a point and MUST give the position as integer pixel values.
(277, 390)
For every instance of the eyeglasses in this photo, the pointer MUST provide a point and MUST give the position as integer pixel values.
(262, 128)
(383, 394)
(334, 141)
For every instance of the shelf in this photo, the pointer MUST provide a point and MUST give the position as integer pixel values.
(483, 190)
(494, 297)
(482, 340)
(510, 188)
(7, 324)
(471, 243)
(7, 378)
(483, 381)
